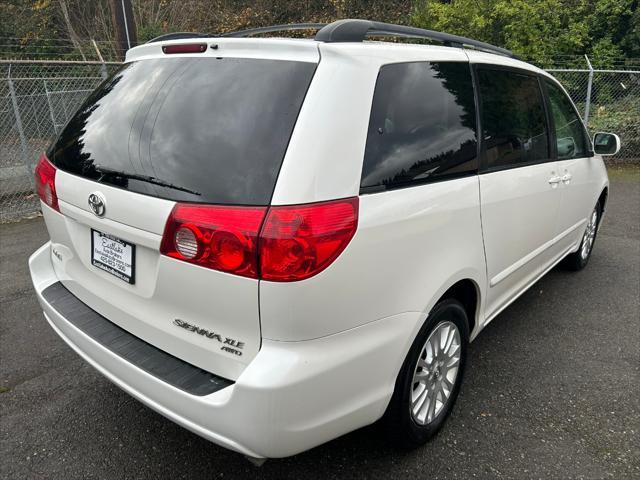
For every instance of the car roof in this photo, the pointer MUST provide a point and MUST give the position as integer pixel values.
(348, 36)
(309, 50)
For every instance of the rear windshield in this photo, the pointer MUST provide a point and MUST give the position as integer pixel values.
(211, 130)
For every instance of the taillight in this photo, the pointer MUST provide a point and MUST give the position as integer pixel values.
(45, 174)
(299, 241)
(217, 237)
(294, 243)
(185, 48)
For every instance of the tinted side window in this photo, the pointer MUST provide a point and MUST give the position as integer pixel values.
(422, 125)
(513, 122)
(570, 136)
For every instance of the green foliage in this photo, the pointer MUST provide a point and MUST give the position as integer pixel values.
(630, 43)
(27, 24)
(148, 31)
(604, 53)
(540, 30)
(615, 117)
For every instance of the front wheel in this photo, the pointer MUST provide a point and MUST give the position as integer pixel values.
(579, 259)
(429, 381)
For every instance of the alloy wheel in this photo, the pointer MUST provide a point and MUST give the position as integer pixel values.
(589, 235)
(435, 373)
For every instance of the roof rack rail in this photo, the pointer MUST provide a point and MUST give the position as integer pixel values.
(179, 36)
(352, 30)
(275, 28)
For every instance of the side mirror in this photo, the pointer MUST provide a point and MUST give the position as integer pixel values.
(566, 147)
(606, 143)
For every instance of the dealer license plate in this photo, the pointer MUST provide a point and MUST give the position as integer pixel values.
(113, 255)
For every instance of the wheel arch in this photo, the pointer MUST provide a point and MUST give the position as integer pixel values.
(462, 287)
(467, 292)
(465, 286)
(602, 199)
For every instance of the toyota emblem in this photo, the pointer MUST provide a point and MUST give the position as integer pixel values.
(98, 204)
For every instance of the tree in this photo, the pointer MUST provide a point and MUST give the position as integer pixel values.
(72, 33)
(539, 30)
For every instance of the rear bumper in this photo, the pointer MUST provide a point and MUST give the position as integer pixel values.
(291, 397)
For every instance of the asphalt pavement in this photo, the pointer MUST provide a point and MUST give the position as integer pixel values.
(552, 389)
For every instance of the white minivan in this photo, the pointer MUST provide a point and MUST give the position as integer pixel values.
(275, 241)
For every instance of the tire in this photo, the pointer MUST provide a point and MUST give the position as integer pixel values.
(579, 259)
(405, 427)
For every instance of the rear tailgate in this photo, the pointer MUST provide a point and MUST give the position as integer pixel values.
(163, 130)
(223, 306)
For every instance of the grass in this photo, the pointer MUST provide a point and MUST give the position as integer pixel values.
(624, 172)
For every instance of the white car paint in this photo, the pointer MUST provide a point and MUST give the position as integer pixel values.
(399, 241)
(291, 397)
(519, 216)
(581, 184)
(322, 354)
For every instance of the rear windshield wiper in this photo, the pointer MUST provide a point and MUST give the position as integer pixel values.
(142, 178)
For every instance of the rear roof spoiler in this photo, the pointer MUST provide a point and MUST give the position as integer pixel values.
(353, 30)
(179, 36)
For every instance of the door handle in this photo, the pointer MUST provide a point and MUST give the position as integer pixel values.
(566, 178)
(554, 181)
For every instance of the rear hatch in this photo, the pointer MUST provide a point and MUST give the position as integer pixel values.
(167, 130)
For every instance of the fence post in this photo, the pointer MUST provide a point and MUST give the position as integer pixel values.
(587, 104)
(16, 113)
(103, 67)
(53, 118)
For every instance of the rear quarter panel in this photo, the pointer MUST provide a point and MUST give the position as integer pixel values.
(411, 246)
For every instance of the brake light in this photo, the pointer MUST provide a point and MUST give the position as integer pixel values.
(45, 174)
(185, 48)
(280, 243)
(217, 237)
(297, 242)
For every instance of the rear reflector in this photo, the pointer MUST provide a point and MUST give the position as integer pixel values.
(185, 48)
(45, 174)
(279, 243)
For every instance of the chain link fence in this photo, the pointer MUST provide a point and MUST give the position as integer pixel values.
(37, 98)
(609, 101)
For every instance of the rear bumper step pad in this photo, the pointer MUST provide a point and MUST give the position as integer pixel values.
(143, 355)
